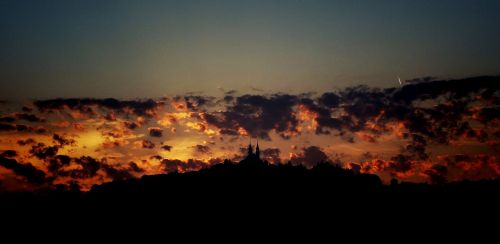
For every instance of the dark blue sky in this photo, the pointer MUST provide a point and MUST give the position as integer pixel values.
(151, 48)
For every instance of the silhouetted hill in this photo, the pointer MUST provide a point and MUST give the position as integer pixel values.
(248, 179)
(254, 187)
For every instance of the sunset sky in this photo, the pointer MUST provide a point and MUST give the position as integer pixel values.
(95, 91)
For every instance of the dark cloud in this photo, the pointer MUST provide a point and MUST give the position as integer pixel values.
(323, 112)
(21, 128)
(228, 99)
(362, 109)
(156, 157)
(400, 164)
(229, 132)
(147, 144)
(203, 149)
(437, 174)
(329, 100)
(472, 167)
(7, 127)
(41, 151)
(489, 114)
(8, 154)
(28, 117)
(479, 134)
(89, 168)
(258, 115)
(131, 125)
(115, 173)
(40, 130)
(417, 148)
(310, 157)
(57, 162)
(137, 107)
(155, 132)
(26, 142)
(271, 154)
(7, 119)
(175, 165)
(421, 79)
(135, 168)
(353, 107)
(61, 141)
(166, 147)
(455, 89)
(363, 103)
(196, 103)
(28, 171)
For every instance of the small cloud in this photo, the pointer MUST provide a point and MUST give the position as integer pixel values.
(202, 149)
(135, 168)
(130, 125)
(166, 147)
(8, 154)
(28, 171)
(26, 142)
(147, 144)
(155, 132)
(28, 117)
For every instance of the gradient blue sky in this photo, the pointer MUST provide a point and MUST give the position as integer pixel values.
(129, 49)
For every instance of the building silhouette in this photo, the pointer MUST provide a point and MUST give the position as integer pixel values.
(251, 156)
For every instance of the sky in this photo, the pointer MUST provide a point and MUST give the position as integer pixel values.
(130, 49)
(96, 91)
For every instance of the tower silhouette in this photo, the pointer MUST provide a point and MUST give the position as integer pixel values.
(251, 155)
(257, 151)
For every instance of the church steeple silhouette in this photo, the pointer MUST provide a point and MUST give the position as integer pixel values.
(257, 151)
(251, 155)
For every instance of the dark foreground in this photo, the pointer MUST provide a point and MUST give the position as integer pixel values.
(258, 187)
(253, 200)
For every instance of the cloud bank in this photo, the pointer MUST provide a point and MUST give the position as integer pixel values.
(427, 130)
